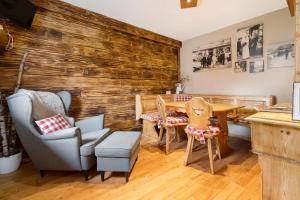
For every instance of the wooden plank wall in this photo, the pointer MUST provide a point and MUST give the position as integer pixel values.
(101, 61)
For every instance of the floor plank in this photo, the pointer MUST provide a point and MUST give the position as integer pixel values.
(155, 176)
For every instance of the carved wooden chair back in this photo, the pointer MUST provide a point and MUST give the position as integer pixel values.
(199, 111)
(161, 107)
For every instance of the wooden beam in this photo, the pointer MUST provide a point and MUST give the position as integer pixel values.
(188, 4)
(292, 6)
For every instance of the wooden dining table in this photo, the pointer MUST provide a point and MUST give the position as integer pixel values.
(220, 110)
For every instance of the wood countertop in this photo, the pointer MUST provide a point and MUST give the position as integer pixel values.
(282, 119)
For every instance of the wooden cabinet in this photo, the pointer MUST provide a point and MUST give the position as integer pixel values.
(276, 140)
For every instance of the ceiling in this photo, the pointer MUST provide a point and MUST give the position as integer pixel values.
(166, 18)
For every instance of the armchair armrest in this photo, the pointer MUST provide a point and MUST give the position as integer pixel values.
(91, 124)
(63, 134)
(71, 120)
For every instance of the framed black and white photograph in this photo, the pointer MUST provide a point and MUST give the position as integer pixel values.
(212, 56)
(250, 42)
(240, 66)
(256, 66)
(296, 102)
(281, 55)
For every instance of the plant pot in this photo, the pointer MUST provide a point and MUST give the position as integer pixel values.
(11, 163)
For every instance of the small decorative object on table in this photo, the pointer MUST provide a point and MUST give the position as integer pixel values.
(180, 84)
(214, 121)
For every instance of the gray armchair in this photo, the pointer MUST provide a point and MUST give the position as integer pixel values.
(69, 149)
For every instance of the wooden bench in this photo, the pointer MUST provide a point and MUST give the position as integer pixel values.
(251, 104)
(147, 104)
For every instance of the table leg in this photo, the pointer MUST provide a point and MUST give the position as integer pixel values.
(223, 137)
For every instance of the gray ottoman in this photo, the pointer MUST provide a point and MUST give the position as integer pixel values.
(118, 152)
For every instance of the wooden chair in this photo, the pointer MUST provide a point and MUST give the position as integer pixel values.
(199, 112)
(168, 122)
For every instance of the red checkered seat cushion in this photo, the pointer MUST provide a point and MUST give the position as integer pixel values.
(175, 120)
(243, 120)
(155, 116)
(53, 124)
(199, 133)
(183, 98)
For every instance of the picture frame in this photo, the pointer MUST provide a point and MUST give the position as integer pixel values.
(256, 66)
(296, 102)
(240, 66)
(281, 54)
(213, 56)
(250, 42)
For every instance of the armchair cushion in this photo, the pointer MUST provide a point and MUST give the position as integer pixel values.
(53, 124)
(63, 134)
(91, 139)
(120, 144)
(91, 124)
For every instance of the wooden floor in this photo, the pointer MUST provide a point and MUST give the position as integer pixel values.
(155, 176)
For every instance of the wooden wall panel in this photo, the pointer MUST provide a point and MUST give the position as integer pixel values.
(101, 61)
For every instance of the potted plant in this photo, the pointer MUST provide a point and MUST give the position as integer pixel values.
(180, 84)
(10, 153)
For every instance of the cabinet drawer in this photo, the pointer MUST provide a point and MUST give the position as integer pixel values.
(276, 140)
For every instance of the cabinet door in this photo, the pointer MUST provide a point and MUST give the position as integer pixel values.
(280, 179)
(276, 140)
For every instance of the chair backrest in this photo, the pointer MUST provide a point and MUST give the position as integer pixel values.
(65, 96)
(161, 107)
(20, 107)
(199, 111)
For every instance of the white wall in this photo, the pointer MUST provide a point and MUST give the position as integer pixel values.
(279, 26)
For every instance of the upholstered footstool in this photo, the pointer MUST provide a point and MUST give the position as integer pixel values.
(118, 152)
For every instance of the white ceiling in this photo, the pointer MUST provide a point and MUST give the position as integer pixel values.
(166, 18)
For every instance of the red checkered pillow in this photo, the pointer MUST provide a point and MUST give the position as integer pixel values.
(183, 98)
(53, 124)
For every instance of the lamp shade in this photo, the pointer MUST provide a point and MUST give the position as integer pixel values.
(188, 3)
